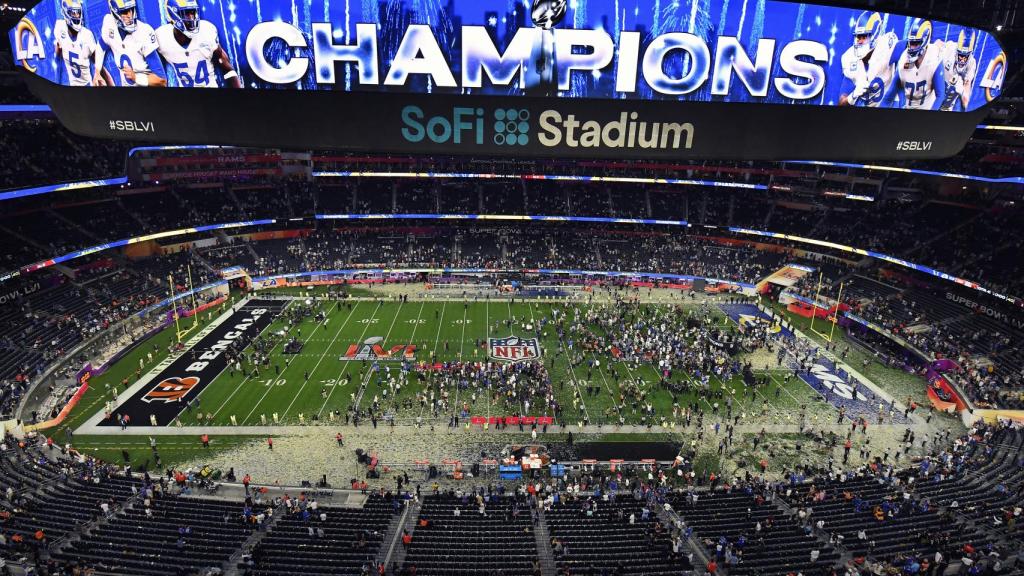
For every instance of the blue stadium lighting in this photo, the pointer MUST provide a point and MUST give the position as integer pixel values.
(137, 149)
(125, 242)
(19, 193)
(12, 194)
(1008, 180)
(880, 256)
(534, 218)
(554, 177)
(1005, 128)
(24, 109)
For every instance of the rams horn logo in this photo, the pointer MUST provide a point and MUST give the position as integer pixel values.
(27, 44)
(171, 390)
(992, 82)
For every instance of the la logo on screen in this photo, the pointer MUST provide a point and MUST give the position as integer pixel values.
(27, 44)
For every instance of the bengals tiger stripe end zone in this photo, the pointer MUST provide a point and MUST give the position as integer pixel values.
(170, 392)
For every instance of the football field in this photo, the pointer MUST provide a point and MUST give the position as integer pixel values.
(352, 348)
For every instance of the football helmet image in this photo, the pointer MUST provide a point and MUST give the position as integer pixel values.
(866, 32)
(964, 49)
(919, 37)
(184, 16)
(126, 14)
(73, 14)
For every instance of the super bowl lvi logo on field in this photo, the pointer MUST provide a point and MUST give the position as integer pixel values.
(373, 349)
(513, 349)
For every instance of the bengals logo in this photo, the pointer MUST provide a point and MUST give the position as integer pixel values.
(171, 390)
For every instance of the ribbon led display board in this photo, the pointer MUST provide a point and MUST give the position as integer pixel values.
(681, 78)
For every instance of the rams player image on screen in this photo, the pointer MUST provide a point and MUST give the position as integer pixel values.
(132, 44)
(191, 46)
(958, 71)
(77, 47)
(919, 69)
(868, 65)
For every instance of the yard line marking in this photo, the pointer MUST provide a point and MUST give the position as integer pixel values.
(286, 366)
(568, 359)
(462, 342)
(412, 341)
(416, 325)
(248, 377)
(347, 363)
(785, 388)
(440, 322)
(433, 354)
(487, 322)
(547, 401)
(614, 398)
(321, 359)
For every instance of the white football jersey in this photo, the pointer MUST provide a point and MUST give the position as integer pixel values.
(956, 82)
(77, 52)
(917, 77)
(193, 64)
(877, 75)
(128, 48)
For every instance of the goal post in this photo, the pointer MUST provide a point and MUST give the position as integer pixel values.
(832, 318)
(180, 330)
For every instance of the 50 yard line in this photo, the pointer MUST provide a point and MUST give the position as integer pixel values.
(433, 353)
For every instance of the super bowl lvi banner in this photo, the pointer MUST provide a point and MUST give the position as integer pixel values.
(742, 51)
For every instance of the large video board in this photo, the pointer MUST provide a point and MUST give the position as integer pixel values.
(645, 79)
(758, 51)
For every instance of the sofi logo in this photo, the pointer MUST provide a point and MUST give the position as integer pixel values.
(503, 126)
(514, 127)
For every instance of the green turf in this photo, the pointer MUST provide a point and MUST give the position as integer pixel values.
(173, 450)
(316, 383)
(898, 383)
(101, 386)
(449, 331)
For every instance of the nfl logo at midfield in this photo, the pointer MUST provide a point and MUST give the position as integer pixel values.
(513, 349)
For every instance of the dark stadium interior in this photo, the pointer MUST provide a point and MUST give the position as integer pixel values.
(944, 278)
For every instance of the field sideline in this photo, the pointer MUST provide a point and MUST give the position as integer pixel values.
(427, 324)
(448, 331)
